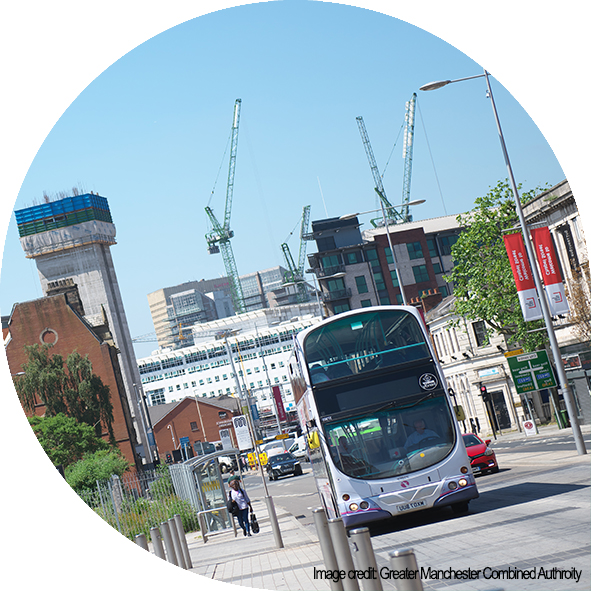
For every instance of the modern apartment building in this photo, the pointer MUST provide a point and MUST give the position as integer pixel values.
(355, 269)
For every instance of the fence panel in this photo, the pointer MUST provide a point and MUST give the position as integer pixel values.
(135, 503)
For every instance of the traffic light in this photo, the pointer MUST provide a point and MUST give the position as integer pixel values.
(483, 391)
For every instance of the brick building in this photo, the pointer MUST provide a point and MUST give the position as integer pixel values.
(52, 320)
(196, 419)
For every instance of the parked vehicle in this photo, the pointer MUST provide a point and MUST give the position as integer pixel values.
(482, 457)
(299, 449)
(283, 465)
(227, 464)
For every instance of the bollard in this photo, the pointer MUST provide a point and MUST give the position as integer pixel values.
(330, 560)
(141, 541)
(170, 553)
(174, 534)
(157, 543)
(340, 543)
(274, 522)
(363, 555)
(183, 539)
(405, 559)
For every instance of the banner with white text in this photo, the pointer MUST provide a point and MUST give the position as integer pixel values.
(526, 289)
(549, 270)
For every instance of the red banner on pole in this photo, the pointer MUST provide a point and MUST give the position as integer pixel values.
(526, 289)
(279, 403)
(549, 270)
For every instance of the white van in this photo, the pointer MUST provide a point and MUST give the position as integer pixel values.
(299, 448)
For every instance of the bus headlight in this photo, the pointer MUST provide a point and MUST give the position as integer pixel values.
(353, 507)
(464, 470)
(346, 497)
(463, 482)
(363, 505)
(452, 485)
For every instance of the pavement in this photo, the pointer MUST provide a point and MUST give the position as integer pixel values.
(256, 561)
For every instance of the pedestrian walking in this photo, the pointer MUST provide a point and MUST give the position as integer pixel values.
(239, 496)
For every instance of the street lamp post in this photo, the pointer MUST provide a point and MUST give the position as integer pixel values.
(564, 385)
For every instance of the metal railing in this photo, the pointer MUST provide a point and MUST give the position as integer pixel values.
(135, 503)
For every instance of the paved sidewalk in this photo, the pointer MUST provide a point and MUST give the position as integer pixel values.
(256, 562)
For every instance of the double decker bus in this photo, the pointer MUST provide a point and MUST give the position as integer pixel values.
(382, 434)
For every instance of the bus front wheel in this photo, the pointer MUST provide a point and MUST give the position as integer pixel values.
(459, 508)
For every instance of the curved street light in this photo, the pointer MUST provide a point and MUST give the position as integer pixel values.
(564, 385)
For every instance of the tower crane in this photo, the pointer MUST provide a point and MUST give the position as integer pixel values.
(296, 273)
(409, 133)
(218, 239)
(392, 215)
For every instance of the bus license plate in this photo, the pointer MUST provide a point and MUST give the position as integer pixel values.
(409, 506)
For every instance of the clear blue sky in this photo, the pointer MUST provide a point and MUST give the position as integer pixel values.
(149, 134)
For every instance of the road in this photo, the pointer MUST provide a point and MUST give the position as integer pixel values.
(534, 513)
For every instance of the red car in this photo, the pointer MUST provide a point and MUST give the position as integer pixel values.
(482, 457)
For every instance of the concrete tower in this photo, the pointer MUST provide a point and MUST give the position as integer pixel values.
(70, 240)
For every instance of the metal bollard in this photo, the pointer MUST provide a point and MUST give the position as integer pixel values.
(174, 534)
(340, 543)
(170, 553)
(365, 559)
(157, 543)
(183, 539)
(405, 559)
(141, 541)
(330, 560)
(274, 522)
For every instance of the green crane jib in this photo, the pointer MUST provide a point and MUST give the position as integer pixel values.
(392, 215)
(219, 237)
(296, 273)
(409, 133)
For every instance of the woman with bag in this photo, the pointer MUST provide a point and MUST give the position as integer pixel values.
(241, 499)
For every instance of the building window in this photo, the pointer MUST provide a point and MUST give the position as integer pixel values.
(379, 279)
(384, 300)
(353, 257)
(437, 268)
(421, 274)
(446, 242)
(415, 250)
(372, 258)
(341, 308)
(480, 333)
(194, 426)
(432, 248)
(394, 278)
(399, 299)
(327, 243)
(331, 261)
(389, 258)
(361, 284)
(156, 397)
(336, 284)
(365, 303)
(444, 291)
(178, 386)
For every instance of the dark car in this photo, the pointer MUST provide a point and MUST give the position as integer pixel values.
(282, 465)
(482, 457)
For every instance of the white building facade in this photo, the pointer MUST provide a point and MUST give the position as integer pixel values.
(260, 343)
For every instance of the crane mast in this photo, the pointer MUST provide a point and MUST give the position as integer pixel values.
(409, 132)
(392, 215)
(296, 273)
(218, 239)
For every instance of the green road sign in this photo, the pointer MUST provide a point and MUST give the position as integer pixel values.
(531, 371)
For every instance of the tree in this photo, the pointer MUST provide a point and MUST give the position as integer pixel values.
(483, 281)
(65, 440)
(100, 465)
(70, 388)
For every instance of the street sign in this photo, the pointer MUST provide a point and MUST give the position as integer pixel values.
(513, 353)
(531, 371)
(226, 438)
(242, 432)
(530, 428)
(282, 436)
